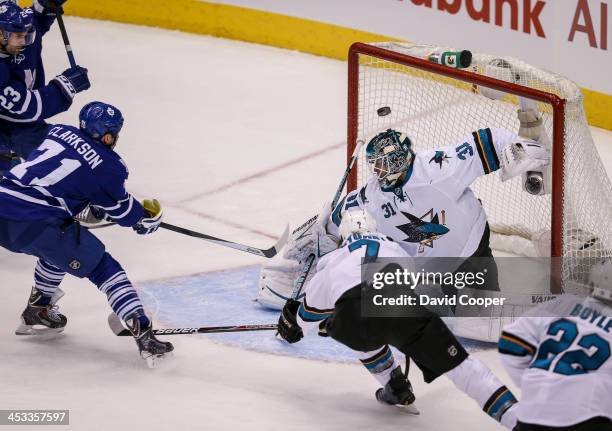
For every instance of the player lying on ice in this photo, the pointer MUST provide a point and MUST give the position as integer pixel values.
(332, 307)
(559, 354)
(72, 169)
(423, 201)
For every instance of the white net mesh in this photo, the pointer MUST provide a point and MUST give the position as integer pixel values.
(436, 111)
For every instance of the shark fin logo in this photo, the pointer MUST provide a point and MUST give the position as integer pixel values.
(440, 157)
(425, 229)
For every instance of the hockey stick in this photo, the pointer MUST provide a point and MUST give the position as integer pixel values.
(118, 329)
(299, 282)
(60, 22)
(269, 252)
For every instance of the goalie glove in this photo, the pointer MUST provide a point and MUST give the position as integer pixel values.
(152, 218)
(312, 238)
(522, 156)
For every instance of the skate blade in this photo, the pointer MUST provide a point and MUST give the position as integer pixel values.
(37, 330)
(410, 408)
(154, 361)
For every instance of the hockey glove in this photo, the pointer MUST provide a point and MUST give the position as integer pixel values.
(522, 156)
(72, 81)
(287, 323)
(312, 238)
(48, 7)
(152, 219)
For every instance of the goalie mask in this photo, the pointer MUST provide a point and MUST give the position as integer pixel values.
(389, 155)
(356, 221)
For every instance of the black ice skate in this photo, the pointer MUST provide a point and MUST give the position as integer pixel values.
(41, 316)
(151, 349)
(398, 392)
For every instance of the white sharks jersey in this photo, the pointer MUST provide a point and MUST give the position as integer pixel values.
(560, 356)
(434, 213)
(339, 271)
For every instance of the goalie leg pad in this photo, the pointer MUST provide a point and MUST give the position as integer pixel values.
(276, 282)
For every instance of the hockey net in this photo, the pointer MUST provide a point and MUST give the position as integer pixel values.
(437, 106)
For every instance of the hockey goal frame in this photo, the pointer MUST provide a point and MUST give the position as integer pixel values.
(558, 115)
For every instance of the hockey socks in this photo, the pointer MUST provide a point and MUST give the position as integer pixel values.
(47, 277)
(477, 381)
(111, 279)
(380, 363)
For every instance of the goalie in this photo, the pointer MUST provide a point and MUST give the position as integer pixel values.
(421, 200)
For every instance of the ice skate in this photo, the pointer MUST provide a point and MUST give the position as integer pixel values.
(151, 349)
(41, 316)
(398, 392)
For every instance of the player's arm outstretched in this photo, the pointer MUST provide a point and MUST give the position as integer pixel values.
(488, 150)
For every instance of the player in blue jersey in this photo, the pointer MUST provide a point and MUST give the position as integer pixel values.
(25, 100)
(72, 169)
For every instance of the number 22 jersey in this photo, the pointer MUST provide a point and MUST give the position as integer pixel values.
(562, 362)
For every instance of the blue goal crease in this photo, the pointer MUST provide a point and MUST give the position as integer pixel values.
(227, 298)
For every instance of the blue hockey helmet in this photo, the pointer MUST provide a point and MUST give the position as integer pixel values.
(14, 19)
(99, 118)
(389, 155)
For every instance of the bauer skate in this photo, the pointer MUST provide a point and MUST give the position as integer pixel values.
(41, 316)
(151, 349)
(398, 392)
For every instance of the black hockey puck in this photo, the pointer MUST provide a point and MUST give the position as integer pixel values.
(384, 111)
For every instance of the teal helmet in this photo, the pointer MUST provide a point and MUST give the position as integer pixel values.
(389, 155)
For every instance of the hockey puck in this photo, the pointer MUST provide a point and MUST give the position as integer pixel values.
(384, 111)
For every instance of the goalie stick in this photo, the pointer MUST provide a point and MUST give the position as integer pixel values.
(299, 282)
(118, 329)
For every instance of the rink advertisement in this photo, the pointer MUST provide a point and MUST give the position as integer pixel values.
(562, 36)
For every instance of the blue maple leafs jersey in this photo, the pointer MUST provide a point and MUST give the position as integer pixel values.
(24, 97)
(67, 172)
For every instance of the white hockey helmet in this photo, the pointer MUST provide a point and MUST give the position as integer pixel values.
(356, 220)
(600, 279)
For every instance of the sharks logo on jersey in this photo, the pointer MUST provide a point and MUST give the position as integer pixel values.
(422, 231)
(440, 157)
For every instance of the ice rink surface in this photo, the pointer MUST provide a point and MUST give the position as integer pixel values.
(235, 140)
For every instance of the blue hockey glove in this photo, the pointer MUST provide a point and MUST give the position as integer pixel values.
(72, 81)
(152, 219)
(48, 7)
(287, 323)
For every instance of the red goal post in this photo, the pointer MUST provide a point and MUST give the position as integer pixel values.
(436, 105)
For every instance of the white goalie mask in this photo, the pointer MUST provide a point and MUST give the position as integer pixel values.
(600, 279)
(356, 221)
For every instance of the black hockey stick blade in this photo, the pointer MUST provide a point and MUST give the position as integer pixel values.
(118, 329)
(269, 252)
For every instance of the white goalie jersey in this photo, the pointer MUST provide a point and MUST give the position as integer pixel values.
(562, 362)
(434, 213)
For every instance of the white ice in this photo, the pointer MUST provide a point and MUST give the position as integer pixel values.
(203, 113)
